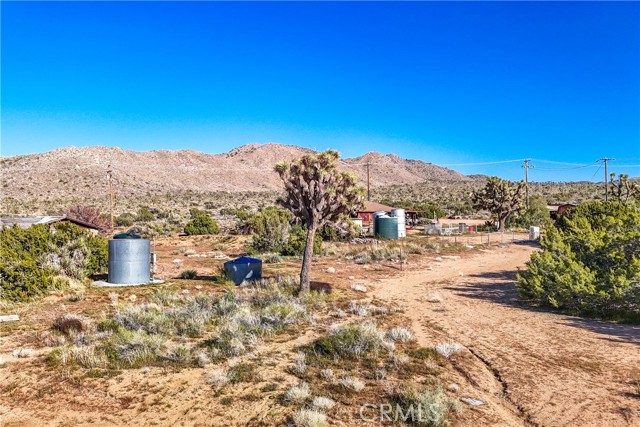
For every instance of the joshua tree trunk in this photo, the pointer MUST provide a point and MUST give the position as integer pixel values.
(305, 272)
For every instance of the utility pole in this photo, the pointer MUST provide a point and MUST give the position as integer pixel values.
(606, 177)
(368, 182)
(109, 177)
(526, 167)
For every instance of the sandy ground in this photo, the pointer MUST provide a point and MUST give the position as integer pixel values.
(552, 369)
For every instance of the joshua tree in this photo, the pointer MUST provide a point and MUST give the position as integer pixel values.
(316, 192)
(500, 197)
(623, 188)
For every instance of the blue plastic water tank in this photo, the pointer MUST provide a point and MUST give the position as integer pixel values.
(243, 268)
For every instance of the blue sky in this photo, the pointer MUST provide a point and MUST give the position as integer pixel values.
(444, 82)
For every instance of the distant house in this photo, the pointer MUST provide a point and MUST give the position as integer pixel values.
(25, 222)
(556, 211)
(366, 213)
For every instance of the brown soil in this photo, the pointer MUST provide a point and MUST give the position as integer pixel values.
(556, 370)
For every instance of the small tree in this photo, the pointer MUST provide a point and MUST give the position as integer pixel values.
(270, 229)
(500, 197)
(201, 223)
(535, 214)
(316, 192)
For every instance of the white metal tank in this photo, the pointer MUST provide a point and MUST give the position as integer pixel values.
(402, 225)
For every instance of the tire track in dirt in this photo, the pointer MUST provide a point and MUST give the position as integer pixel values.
(558, 370)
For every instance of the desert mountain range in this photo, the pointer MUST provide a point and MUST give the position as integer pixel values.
(80, 171)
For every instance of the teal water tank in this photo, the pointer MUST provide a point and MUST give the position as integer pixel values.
(387, 227)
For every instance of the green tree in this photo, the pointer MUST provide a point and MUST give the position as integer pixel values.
(201, 223)
(270, 229)
(316, 192)
(590, 262)
(500, 197)
(536, 214)
(297, 240)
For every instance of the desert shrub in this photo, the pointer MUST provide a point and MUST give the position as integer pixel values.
(272, 258)
(201, 223)
(29, 259)
(188, 274)
(589, 264)
(125, 219)
(342, 230)
(351, 341)
(270, 229)
(144, 215)
(68, 323)
(427, 408)
(297, 240)
(132, 349)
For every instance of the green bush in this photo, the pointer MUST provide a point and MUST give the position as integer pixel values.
(589, 264)
(201, 223)
(188, 274)
(296, 242)
(536, 214)
(270, 229)
(29, 259)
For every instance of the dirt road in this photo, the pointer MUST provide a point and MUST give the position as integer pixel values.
(554, 370)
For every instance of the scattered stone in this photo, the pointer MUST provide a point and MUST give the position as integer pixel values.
(358, 287)
(469, 246)
(177, 261)
(198, 287)
(133, 297)
(435, 298)
(461, 274)
(472, 402)
(23, 352)
(438, 259)
(185, 291)
(351, 277)
(451, 256)
(9, 318)
(453, 387)
(331, 270)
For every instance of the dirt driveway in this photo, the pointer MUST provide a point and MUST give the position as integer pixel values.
(554, 370)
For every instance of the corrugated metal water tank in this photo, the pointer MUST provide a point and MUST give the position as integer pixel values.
(387, 227)
(129, 260)
(243, 268)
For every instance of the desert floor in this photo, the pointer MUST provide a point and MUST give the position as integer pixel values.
(531, 367)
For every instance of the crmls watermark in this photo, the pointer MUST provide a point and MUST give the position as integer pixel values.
(395, 412)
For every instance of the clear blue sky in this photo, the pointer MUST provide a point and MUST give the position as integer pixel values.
(445, 82)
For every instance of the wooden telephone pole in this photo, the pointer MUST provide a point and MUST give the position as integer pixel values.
(368, 182)
(526, 167)
(109, 178)
(606, 177)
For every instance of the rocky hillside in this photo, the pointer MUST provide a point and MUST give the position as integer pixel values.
(81, 172)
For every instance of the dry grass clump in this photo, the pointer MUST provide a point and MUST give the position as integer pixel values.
(428, 407)
(218, 378)
(298, 393)
(309, 418)
(448, 349)
(300, 363)
(399, 334)
(352, 383)
(352, 341)
(323, 404)
(327, 374)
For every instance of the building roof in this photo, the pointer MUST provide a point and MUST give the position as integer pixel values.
(25, 222)
(554, 208)
(375, 207)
